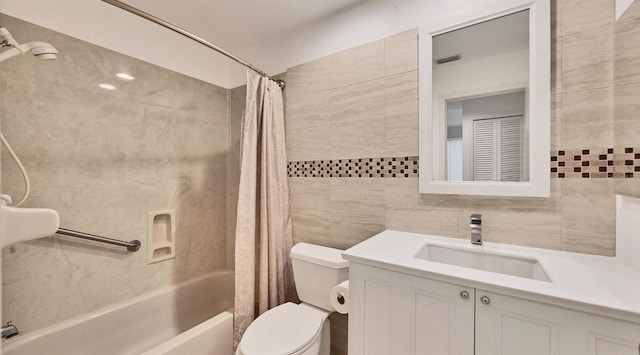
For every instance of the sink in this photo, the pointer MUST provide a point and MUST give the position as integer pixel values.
(503, 264)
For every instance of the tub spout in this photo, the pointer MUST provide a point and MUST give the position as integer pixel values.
(9, 330)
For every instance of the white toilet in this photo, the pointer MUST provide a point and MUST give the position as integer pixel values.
(297, 329)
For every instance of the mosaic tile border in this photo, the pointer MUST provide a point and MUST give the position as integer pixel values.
(391, 167)
(597, 163)
(592, 163)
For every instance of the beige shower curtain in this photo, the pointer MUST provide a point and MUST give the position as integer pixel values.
(263, 229)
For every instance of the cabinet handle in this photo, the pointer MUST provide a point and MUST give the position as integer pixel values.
(485, 300)
(464, 295)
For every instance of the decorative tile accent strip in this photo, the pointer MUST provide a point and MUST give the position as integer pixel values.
(593, 163)
(617, 163)
(393, 167)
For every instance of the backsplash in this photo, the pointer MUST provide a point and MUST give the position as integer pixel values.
(103, 159)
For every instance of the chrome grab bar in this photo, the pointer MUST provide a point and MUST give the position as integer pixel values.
(131, 245)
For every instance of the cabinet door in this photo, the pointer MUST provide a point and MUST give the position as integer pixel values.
(508, 325)
(439, 317)
(607, 336)
(371, 315)
(395, 313)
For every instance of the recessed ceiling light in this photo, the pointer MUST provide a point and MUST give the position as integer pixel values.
(125, 76)
(107, 86)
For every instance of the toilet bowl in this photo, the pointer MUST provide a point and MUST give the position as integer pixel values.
(287, 329)
(300, 329)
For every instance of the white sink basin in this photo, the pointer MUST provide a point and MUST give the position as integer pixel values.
(502, 264)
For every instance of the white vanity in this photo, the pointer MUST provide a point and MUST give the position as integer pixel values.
(422, 294)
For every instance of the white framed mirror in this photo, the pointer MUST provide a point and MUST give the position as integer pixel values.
(485, 101)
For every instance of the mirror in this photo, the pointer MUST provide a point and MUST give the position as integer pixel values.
(484, 102)
(480, 79)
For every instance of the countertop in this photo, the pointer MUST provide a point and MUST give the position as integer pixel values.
(591, 283)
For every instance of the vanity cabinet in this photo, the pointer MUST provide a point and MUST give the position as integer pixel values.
(511, 325)
(396, 313)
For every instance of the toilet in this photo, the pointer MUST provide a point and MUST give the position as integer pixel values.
(300, 329)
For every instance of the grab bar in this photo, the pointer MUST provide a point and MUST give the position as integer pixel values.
(131, 246)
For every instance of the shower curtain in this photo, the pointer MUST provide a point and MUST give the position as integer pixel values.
(264, 238)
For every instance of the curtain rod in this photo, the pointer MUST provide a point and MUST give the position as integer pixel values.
(189, 35)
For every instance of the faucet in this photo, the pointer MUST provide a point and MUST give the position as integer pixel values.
(9, 330)
(476, 229)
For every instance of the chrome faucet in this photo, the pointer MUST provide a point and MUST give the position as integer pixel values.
(476, 229)
(9, 330)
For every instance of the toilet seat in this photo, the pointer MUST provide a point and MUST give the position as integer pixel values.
(285, 329)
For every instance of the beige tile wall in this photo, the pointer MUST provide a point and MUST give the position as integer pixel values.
(363, 102)
(102, 160)
(626, 91)
(367, 107)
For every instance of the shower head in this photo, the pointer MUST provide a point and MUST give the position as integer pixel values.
(39, 49)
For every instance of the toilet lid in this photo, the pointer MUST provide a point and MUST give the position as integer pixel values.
(285, 329)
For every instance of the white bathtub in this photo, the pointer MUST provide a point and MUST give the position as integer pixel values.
(191, 318)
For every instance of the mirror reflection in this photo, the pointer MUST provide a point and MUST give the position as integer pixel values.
(485, 138)
(480, 84)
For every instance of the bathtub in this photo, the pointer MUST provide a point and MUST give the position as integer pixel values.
(190, 318)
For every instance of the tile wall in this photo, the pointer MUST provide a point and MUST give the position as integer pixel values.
(626, 91)
(362, 104)
(103, 159)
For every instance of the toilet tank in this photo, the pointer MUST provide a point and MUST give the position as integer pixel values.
(317, 270)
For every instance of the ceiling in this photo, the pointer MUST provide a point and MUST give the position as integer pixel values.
(487, 39)
(236, 25)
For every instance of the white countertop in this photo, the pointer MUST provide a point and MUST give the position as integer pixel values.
(591, 283)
